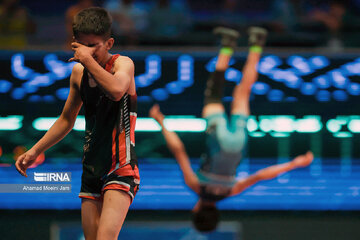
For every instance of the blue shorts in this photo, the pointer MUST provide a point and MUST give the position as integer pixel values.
(230, 136)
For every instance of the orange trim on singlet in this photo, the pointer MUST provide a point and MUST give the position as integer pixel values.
(136, 173)
(116, 186)
(122, 148)
(128, 171)
(91, 197)
(120, 187)
(132, 128)
(110, 63)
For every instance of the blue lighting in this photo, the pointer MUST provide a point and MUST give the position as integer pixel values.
(300, 64)
(18, 93)
(35, 98)
(278, 75)
(186, 81)
(59, 69)
(340, 95)
(160, 94)
(18, 69)
(62, 93)
(260, 88)
(144, 98)
(275, 95)
(233, 75)
(186, 70)
(319, 62)
(323, 96)
(291, 80)
(153, 66)
(174, 87)
(30, 87)
(41, 80)
(49, 98)
(268, 63)
(322, 81)
(228, 99)
(5, 86)
(338, 79)
(210, 66)
(142, 81)
(350, 69)
(152, 71)
(354, 89)
(273, 67)
(291, 99)
(308, 88)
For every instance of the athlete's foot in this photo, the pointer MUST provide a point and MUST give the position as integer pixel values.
(229, 36)
(156, 113)
(257, 36)
(303, 160)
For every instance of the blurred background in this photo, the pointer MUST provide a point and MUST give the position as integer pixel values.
(169, 23)
(307, 98)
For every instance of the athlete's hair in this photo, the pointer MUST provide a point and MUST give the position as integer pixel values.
(206, 218)
(93, 20)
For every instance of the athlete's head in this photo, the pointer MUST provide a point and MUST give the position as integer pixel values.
(206, 218)
(92, 21)
(92, 28)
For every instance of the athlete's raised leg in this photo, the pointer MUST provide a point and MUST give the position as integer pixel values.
(241, 93)
(300, 161)
(273, 171)
(215, 84)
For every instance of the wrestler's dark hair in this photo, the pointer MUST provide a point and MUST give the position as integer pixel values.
(206, 218)
(93, 20)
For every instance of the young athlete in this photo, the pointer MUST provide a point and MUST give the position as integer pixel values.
(104, 84)
(215, 180)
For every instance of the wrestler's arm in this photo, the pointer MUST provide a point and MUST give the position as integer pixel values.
(116, 84)
(60, 128)
(177, 148)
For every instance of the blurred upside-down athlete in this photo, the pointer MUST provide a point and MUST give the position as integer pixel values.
(226, 140)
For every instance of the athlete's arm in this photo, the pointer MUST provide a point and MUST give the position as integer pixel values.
(177, 148)
(272, 172)
(114, 85)
(60, 128)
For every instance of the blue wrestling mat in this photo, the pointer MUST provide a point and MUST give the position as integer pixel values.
(329, 186)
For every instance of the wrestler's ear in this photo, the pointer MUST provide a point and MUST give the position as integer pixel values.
(109, 43)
